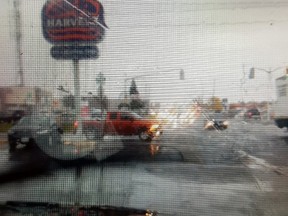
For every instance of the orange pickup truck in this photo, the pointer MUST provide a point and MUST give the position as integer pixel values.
(122, 123)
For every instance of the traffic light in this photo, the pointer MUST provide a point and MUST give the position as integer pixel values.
(182, 74)
(252, 73)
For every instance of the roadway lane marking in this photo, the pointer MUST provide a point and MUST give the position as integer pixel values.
(264, 186)
(259, 163)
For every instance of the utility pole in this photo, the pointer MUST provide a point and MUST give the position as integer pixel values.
(242, 86)
(19, 40)
(100, 80)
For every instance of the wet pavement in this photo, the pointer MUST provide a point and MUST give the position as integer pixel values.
(188, 171)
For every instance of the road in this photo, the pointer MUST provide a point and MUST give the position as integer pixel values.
(188, 171)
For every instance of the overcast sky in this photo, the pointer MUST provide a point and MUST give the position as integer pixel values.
(213, 41)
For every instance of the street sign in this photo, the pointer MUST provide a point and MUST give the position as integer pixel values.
(70, 21)
(74, 52)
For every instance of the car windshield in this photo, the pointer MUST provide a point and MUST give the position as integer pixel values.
(33, 120)
(254, 111)
(136, 116)
(108, 105)
(96, 113)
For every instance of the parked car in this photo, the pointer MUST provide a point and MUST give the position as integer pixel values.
(67, 118)
(11, 116)
(216, 121)
(122, 123)
(28, 127)
(252, 114)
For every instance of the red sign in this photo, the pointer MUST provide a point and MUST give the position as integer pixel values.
(73, 21)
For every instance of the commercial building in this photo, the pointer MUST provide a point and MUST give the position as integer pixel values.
(24, 97)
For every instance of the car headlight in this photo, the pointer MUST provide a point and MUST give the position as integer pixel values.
(226, 123)
(154, 127)
(210, 123)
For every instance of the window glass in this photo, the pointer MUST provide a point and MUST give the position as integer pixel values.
(125, 116)
(113, 115)
(112, 107)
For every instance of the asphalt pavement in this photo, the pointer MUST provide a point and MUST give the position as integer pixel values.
(188, 171)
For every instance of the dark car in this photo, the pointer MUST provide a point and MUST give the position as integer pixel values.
(11, 116)
(216, 121)
(252, 114)
(29, 127)
(66, 118)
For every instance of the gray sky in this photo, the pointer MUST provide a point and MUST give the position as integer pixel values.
(210, 40)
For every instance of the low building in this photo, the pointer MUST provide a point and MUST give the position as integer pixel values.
(23, 98)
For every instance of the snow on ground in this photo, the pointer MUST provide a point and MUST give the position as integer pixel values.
(255, 134)
(257, 138)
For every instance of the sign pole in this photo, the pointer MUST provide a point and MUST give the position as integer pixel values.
(77, 96)
(74, 31)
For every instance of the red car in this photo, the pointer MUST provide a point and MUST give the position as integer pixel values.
(122, 123)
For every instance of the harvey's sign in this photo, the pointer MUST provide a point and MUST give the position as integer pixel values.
(73, 21)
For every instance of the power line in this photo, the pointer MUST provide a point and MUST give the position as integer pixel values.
(268, 22)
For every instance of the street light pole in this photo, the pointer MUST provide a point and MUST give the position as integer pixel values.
(100, 80)
(269, 72)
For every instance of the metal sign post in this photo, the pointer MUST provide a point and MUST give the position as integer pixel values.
(77, 95)
(74, 28)
(100, 80)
